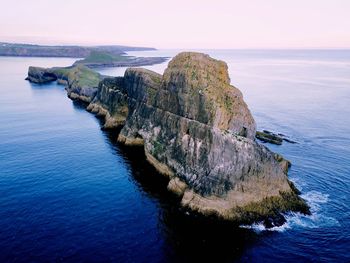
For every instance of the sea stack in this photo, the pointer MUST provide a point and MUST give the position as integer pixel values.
(197, 130)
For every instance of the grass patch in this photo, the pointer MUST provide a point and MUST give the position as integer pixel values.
(158, 148)
(83, 76)
(102, 57)
(62, 73)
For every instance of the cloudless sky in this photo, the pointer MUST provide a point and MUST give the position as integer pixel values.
(180, 23)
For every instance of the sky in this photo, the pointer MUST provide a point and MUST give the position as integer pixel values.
(221, 24)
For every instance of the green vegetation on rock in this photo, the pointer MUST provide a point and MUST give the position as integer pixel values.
(158, 148)
(98, 58)
(102, 57)
(84, 76)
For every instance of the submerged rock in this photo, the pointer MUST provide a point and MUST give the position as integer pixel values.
(197, 130)
(274, 221)
(270, 137)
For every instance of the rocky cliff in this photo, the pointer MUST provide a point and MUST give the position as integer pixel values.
(197, 130)
(81, 82)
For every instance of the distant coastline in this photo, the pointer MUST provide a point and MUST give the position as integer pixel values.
(90, 56)
(73, 51)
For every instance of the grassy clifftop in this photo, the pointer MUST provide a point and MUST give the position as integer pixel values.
(79, 75)
(102, 57)
(84, 77)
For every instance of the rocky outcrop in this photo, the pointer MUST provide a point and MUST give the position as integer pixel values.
(81, 82)
(270, 137)
(40, 75)
(197, 130)
(111, 102)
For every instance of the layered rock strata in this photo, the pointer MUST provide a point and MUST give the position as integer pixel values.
(197, 130)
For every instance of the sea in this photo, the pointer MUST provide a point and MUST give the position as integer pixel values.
(70, 193)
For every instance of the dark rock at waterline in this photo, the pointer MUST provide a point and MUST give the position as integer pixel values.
(274, 221)
(270, 137)
(40, 75)
(289, 140)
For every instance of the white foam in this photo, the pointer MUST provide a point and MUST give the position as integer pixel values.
(259, 227)
(315, 220)
(313, 197)
(298, 183)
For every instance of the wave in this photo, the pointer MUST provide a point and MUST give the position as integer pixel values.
(315, 200)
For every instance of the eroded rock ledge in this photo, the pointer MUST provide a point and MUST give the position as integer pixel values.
(197, 130)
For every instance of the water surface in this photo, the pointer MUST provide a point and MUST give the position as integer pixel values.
(69, 192)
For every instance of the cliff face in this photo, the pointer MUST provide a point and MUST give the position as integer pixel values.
(119, 96)
(197, 130)
(197, 87)
(40, 75)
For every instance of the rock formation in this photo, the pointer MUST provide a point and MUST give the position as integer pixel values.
(197, 130)
(270, 137)
(40, 75)
(81, 82)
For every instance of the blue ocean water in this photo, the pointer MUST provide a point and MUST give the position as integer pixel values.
(69, 192)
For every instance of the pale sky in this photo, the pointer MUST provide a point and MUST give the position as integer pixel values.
(180, 23)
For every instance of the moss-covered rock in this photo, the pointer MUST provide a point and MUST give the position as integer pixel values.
(81, 82)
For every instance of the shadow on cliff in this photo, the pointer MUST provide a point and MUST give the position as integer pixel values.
(81, 106)
(188, 237)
